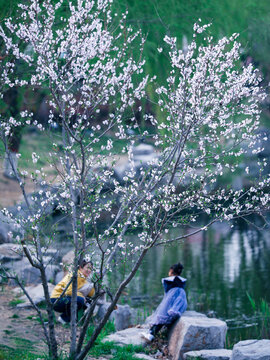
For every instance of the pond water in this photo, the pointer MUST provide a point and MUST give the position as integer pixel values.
(221, 265)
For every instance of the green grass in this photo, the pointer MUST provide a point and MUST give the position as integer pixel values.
(8, 353)
(256, 326)
(15, 302)
(262, 313)
(109, 348)
(8, 332)
(100, 349)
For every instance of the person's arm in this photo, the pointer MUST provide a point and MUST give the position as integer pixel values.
(179, 305)
(87, 290)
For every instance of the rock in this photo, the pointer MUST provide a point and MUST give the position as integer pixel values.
(122, 317)
(216, 354)
(10, 252)
(35, 292)
(67, 260)
(28, 274)
(8, 228)
(59, 276)
(251, 350)
(128, 336)
(196, 333)
(143, 154)
(189, 313)
(144, 356)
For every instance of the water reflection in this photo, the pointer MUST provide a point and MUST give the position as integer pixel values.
(221, 266)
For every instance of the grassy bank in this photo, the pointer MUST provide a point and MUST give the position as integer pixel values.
(115, 352)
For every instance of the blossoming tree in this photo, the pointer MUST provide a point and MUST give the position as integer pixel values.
(210, 116)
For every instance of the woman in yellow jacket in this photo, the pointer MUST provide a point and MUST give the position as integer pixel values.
(84, 289)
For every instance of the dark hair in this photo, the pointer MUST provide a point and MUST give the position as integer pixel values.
(84, 262)
(177, 268)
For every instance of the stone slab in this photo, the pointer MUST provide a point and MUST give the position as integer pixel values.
(216, 354)
(10, 252)
(128, 336)
(35, 292)
(251, 350)
(144, 356)
(123, 316)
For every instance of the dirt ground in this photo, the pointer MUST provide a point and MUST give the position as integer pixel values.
(20, 328)
(10, 192)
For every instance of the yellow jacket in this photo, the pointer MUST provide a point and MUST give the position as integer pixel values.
(81, 281)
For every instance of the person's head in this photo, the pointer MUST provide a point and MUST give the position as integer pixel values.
(176, 269)
(86, 267)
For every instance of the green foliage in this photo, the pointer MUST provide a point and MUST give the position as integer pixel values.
(262, 314)
(255, 327)
(249, 18)
(15, 316)
(175, 17)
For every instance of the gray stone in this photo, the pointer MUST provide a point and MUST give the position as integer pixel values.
(196, 333)
(7, 226)
(251, 350)
(36, 293)
(122, 317)
(128, 336)
(144, 356)
(189, 313)
(67, 260)
(143, 153)
(59, 276)
(216, 354)
(10, 252)
(29, 274)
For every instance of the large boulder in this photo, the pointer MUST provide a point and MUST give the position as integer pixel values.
(8, 228)
(251, 350)
(10, 252)
(196, 333)
(122, 317)
(143, 154)
(143, 356)
(29, 274)
(130, 336)
(36, 293)
(216, 354)
(67, 261)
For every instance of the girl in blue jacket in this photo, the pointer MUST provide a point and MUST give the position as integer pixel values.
(173, 304)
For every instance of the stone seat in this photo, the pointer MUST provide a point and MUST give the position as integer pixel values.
(128, 336)
(195, 331)
(251, 350)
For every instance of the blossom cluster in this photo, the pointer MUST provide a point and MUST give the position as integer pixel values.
(210, 111)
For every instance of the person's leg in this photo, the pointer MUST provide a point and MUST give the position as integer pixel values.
(63, 306)
(150, 335)
(80, 303)
(155, 329)
(81, 306)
